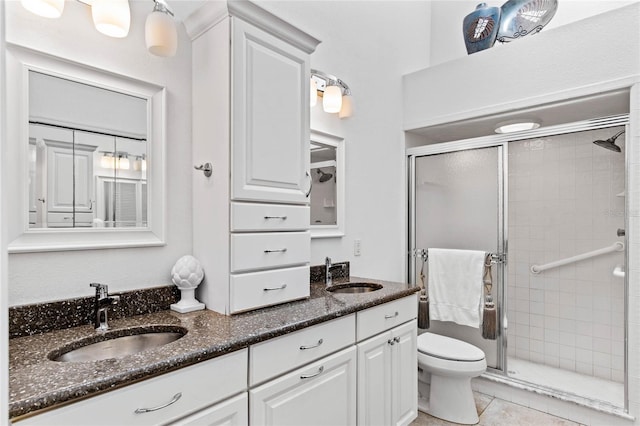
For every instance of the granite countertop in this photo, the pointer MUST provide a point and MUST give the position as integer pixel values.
(36, 382)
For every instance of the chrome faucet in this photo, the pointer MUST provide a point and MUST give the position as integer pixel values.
(102, 302)
(328, 276)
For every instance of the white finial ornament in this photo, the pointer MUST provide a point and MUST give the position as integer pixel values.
(187, 274)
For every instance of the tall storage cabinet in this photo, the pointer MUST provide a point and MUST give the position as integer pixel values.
(251, 121)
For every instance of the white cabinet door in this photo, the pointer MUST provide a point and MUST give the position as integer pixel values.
(270, 117)
(374, 381)
(404, 374)
(322, 393)
(387, 377)
(233, 412)
(60, 177)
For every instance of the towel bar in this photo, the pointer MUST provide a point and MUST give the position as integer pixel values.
(495, 257)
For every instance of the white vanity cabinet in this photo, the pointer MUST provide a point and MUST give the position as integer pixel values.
(387, 364)
(321, 393)
(233, 412)
(160, 400)
(250, 81)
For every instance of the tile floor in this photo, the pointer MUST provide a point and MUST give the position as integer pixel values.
(497, 412)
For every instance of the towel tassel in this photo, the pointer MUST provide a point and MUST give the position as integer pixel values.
(489, 314)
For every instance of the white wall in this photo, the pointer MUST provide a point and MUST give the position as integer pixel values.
(59, 275)
(369, 45)
(447, 15)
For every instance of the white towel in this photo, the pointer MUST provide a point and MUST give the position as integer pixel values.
(455, 285)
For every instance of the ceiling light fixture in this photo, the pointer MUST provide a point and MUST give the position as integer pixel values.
(512, 126)
(336, 95)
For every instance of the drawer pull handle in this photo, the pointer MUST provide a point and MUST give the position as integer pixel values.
(309, 376)
(282, 287)
(391, 342)
(302, 348)
(391, 316)
(396, 339)
(276, 217)
(282, 250)
(175, 399)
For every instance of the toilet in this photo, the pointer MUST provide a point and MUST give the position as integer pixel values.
(451, 363)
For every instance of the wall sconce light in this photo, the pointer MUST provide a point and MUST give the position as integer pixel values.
(336, 95)
(160, 32)
(44, 8)
(113, 18)
(120, 161)
(140, 163)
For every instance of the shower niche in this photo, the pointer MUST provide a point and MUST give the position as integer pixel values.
(557, 206)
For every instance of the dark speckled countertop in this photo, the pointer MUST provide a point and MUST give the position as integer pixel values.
(36, 382)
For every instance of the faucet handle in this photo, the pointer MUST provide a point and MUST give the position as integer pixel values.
(102, 290)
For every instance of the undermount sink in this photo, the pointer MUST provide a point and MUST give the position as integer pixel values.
(354, 288)
(117, 344)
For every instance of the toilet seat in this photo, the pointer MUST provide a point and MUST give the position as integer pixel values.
(447, 348)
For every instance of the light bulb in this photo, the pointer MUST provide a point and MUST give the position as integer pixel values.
(44, 8)
(111, 17)
(123, 162)
(313, 93)
(347, 107)
(332, 99)
(160, 33)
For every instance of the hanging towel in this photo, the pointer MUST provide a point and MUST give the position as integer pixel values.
(455, 285)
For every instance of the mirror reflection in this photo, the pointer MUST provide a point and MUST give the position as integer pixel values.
(87, 155)
(323, 191)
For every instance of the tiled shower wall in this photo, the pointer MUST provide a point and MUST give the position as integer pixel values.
(566, 197)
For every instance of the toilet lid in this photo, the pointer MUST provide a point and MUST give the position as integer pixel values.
(448, 348)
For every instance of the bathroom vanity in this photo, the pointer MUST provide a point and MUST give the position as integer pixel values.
(354, 353)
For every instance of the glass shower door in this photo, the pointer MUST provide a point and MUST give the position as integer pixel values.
(458, 204)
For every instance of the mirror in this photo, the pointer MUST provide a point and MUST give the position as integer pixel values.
(89, 149)
(327, 192)
(87, 155)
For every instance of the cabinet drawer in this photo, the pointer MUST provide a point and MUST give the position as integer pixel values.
(276, 356)
(269, 250)
(199, 386)
(268, 217)
(66, 219)
(383, 317)
(256, 289)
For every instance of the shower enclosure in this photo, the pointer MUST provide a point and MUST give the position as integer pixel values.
(553, 202)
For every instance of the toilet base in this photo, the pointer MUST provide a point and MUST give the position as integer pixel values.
(453, 400)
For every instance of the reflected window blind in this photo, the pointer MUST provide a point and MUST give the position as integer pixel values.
(125, 208)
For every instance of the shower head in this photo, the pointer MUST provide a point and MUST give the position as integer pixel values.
(610, 143)
(324, 176)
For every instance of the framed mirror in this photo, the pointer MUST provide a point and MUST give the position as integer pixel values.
(89, 150)
(327, 198)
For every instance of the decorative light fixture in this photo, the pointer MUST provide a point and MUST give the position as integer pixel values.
(107, 161)
(120, 161)
(113, 18)
(160, 31)
(123, 161)
(516, 126)
(140, 163)
(44, 8)
(336, 95)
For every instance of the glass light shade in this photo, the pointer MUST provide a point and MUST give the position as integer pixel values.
(111, 17)
(107, 162)
(123, 163)
(347, 107)
(332, 99)
(44, 8)
(160, 34)
(313, 93)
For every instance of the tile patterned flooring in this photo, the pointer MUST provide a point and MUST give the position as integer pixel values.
(497, 412)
